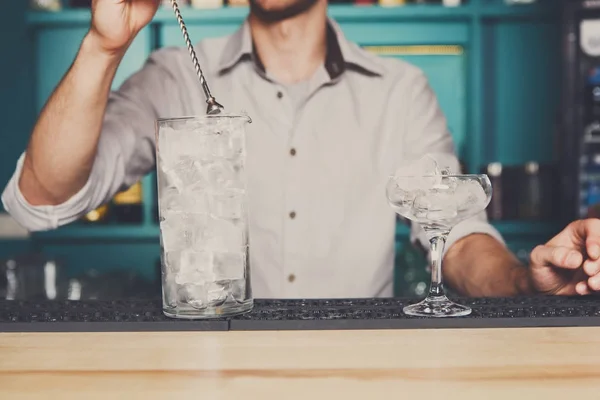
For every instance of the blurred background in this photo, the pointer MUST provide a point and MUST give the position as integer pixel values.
(516, 79)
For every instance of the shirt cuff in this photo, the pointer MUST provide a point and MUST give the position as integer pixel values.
(468, 227)
(45, 217)
(476, 224)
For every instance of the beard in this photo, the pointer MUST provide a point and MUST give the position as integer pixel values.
(280, 14)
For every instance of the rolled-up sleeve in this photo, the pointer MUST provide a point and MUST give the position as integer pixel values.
(46, 217)
(476, 224)
(124, 155)
(427, 133)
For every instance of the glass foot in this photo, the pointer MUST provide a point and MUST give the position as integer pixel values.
(437, 307)
(227, 310)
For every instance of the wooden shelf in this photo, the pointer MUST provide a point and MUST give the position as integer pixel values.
(147, 232)
(338, 12)
(106, 232)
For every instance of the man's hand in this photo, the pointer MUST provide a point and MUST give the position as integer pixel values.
(569, 264)
(115, 23)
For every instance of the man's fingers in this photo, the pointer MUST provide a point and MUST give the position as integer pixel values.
(557, 256)
(594, 283)
(591, 267)
(582, 288)
(586, 229)
(592, 247)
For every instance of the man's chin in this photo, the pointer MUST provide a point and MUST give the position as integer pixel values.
(277, 15)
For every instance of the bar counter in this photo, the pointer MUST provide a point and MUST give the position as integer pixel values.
(530, 348)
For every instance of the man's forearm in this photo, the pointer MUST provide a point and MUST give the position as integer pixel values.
(478, 265)
(63, 145)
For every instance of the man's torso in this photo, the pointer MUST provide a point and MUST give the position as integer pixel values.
(317, 165)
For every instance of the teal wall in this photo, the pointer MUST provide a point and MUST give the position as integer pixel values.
(16, 97)
(496, 81)
(522, 79)
(16, 85)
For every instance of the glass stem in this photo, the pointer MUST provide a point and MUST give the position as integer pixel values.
(437, 248)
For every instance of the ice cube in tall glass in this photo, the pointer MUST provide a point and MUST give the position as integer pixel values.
(202, 197)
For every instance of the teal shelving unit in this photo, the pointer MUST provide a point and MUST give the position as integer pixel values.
(151, 231)
(493, 67)
(345, 12)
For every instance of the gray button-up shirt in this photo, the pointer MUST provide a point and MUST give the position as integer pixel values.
(318, 158)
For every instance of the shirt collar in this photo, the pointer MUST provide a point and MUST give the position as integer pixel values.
(341, 54)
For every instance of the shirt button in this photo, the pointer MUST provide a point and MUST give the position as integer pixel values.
(293, 152)
(291, 278)
(279, 95)
(293, 215)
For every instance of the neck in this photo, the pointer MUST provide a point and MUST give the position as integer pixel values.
(291, 50)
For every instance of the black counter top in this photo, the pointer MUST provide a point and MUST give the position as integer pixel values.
(383, 313)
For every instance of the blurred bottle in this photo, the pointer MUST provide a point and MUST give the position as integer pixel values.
(424, 1)
(517, 2)
(538, 192)
(494, 173)
(128, 205)
(592, 184)
(45, 5)
(33, 276)
(155, 211)
(506, 190)
(98, 216)
(530, 199)
(391, 3)
(592, 95)
(158, 271)
(80, 3)
(412, 272)
(203, 4)
(511, 191)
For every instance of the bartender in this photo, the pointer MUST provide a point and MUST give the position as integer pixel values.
(331, 122)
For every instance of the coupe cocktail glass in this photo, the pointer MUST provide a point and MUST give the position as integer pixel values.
(438, 202)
